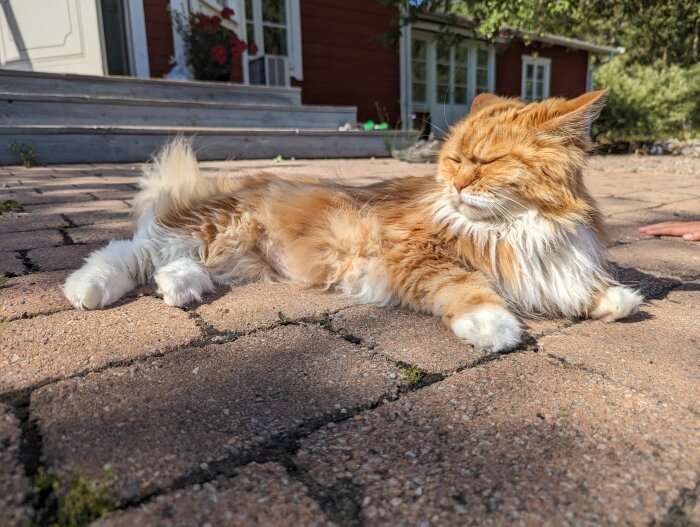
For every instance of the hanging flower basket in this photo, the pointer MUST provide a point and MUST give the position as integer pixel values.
(214, 52)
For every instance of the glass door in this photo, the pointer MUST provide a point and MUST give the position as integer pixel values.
(450, 95)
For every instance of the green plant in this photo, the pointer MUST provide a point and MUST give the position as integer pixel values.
(213, 50)
(27, 154)
(81, 503)
(282, 319)
(10, 205)
(3, 280)
(412, 374)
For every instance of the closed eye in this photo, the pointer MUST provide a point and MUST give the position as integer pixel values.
(491, 160)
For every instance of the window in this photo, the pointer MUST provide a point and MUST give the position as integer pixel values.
(461, 74)
(482, 70)
(419, 70)
(442, 73)
(535, 78)
(266, 26)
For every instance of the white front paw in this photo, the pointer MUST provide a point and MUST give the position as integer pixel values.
(617, 302)
(489, 329)
(89, 288)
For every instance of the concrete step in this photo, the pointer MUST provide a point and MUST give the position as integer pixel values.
(81, 110)
(107, 144)
(26, 82)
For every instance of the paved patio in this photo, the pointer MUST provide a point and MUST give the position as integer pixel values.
(272, 405)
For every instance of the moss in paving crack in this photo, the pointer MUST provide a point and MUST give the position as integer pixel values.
(10, 205)
(81, 503)
(3, 280)
(283, 319)
(412, 374)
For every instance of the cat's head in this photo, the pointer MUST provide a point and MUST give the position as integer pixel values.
(507, 156)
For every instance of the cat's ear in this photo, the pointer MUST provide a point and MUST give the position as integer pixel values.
(484, 100)
(572, 118)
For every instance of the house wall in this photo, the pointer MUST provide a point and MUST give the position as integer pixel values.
(344, 63)
(568, 70)
(159, 35)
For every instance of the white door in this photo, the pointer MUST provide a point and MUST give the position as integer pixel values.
(445, 78)
(61, 36)
(450, 100)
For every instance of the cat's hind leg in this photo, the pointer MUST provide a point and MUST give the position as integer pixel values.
(616, 302)
(108, 274)
(182, 281)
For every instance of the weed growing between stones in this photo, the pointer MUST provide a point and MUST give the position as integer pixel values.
(10, 205)
(81, 503)
(412, 374)
(27, 154)
(3, 280)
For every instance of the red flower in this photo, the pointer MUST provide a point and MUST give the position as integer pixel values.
(215, 20)
(252, 48)
(202, 20)
(219, 54)
(227, 13)
(238, 48)
(233, 40)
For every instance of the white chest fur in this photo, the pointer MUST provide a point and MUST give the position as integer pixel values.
(556, 271)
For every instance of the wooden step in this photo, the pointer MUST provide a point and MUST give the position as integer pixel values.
(28, 82)
(80, 110)
(110, 144)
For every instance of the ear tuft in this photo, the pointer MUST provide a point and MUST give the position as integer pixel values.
(573, 118)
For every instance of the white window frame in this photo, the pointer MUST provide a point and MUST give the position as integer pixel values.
(535, 62)
(293, 29)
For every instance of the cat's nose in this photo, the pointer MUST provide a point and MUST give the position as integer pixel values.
(460, 184)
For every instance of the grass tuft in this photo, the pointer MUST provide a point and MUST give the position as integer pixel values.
(81, 503)
(412, 374)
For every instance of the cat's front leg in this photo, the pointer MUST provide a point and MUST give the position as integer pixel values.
(614, 303)
(464, 300)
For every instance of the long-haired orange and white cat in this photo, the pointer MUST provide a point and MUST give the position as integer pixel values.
(506, 227)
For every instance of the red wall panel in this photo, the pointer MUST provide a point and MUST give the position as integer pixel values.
(568, 70)
(344, 62)
(159, 36)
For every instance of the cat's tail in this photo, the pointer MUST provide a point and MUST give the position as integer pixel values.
(172, 180)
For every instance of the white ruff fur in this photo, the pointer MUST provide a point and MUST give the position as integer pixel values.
(559, 271)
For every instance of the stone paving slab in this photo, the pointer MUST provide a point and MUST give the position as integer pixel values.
(672, 257)
(406, 337)
(247, 307)
(261, 494)
(656, 352)
(85, 212)
(102, 232)
(24, 221)
(10, 263)
(63, 257)
(189, 411)
(18, 241)
(14, 485)
(521, 440)
(34, 294)
(42, 348)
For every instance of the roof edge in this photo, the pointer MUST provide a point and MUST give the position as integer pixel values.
(509, 32)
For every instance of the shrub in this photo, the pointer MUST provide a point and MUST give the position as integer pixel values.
(648, 103)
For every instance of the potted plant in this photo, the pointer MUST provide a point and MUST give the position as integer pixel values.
(214, 52)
